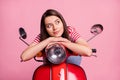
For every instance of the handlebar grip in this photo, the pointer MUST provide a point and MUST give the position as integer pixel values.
(94, 50)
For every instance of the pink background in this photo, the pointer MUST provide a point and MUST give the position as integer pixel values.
(81, 14)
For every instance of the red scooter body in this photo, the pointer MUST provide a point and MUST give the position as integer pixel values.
(63, 71)
(57, 68)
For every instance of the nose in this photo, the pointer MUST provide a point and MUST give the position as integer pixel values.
(54, 27)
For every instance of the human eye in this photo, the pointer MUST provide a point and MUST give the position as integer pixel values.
(49, 25)
(57, 22)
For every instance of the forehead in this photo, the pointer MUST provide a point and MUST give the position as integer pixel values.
(51, 19)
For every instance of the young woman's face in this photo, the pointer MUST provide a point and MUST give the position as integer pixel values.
(54, 26)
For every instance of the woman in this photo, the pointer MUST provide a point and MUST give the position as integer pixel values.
(53, 29)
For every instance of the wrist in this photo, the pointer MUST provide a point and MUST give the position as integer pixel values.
(50, 39)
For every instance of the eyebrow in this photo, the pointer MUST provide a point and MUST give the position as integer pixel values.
(54, 21)
(57, 20)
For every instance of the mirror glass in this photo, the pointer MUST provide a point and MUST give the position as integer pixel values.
(22, 33)
(96, 29)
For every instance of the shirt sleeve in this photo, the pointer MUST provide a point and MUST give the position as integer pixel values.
(37, 39)
(73, 34)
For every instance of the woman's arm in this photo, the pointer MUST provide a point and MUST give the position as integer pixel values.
(34, 49)
(80, 47)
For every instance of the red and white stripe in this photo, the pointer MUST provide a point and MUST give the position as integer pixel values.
(37, 39)
(73, 34)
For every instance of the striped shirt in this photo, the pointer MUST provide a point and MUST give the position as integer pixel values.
(72, 33)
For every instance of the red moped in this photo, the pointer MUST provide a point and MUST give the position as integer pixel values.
(55, 66)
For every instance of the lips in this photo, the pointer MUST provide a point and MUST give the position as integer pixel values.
(56, 32)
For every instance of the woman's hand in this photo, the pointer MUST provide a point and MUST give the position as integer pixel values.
(59, 39)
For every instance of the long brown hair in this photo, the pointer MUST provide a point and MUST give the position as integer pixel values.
(43, 32)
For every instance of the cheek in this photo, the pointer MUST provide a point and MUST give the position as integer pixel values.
(49, 31)
(62, 29)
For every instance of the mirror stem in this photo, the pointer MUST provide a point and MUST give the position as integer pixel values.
(23, 41)
(91, 37)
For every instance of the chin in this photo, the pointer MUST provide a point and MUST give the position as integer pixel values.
(57, 35)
